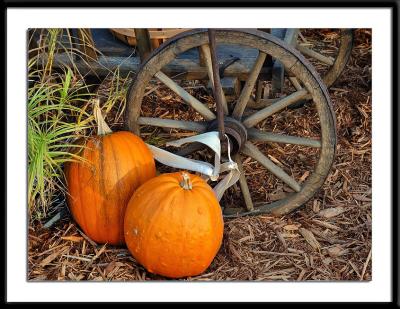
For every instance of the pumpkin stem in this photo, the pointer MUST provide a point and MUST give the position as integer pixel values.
(102, 127)
(186, 183)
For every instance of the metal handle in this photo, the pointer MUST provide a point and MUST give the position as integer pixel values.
(217, 84)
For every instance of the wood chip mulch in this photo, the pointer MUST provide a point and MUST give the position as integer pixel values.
(329, 238)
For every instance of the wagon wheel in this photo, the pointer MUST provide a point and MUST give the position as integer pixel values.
(328, 63)
(336, 63)
(245, 127)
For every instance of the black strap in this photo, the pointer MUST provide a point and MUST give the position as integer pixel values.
(226, 64)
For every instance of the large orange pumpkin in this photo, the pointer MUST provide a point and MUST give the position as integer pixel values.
(99, 189)
(173, 225)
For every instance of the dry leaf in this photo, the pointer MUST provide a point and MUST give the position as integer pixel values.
(61, 276)
(292, 250)
(112, 269)
(291, 227)
(345, 186)
(109, 268)
(53, 256)
(166, 98)
(361, 198)
(310, 238)
(234, 251)
(327, 261)
(327, 225)
(275, 160)
(73, 238)
(331, 212)
(246, 238)
(290, 235)
(301, 275)
(277, 196)
(316, 207)
(73, 277)
(99, 252)
(336, 251)
(305, 175)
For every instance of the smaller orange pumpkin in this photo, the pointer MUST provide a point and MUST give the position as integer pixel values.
(173, 225)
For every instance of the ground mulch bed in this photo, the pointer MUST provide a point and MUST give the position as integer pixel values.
(329, 238)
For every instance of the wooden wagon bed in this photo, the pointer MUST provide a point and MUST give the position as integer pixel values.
(113, 53)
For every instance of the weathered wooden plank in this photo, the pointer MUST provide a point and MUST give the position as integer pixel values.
(230, 86)
(289, 36)
(278, 70)
(153, 33)
(188, 69)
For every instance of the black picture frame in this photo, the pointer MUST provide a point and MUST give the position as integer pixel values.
(4, 168)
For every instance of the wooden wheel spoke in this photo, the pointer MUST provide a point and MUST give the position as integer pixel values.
(295, 82)
(291, 36)
(173, 124)
(302, 37)
(258, 135)
(243, 184)
(313, 54)
(248, 87)
(251, 150)
(187, 97)
(205, 49)
(252, 120)
(189, 149)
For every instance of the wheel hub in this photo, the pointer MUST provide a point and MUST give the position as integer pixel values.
(236, 132)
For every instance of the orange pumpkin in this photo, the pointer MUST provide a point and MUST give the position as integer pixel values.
(99, 188)
(173, 225)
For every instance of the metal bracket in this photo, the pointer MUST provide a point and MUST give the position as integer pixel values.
(226, 64)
